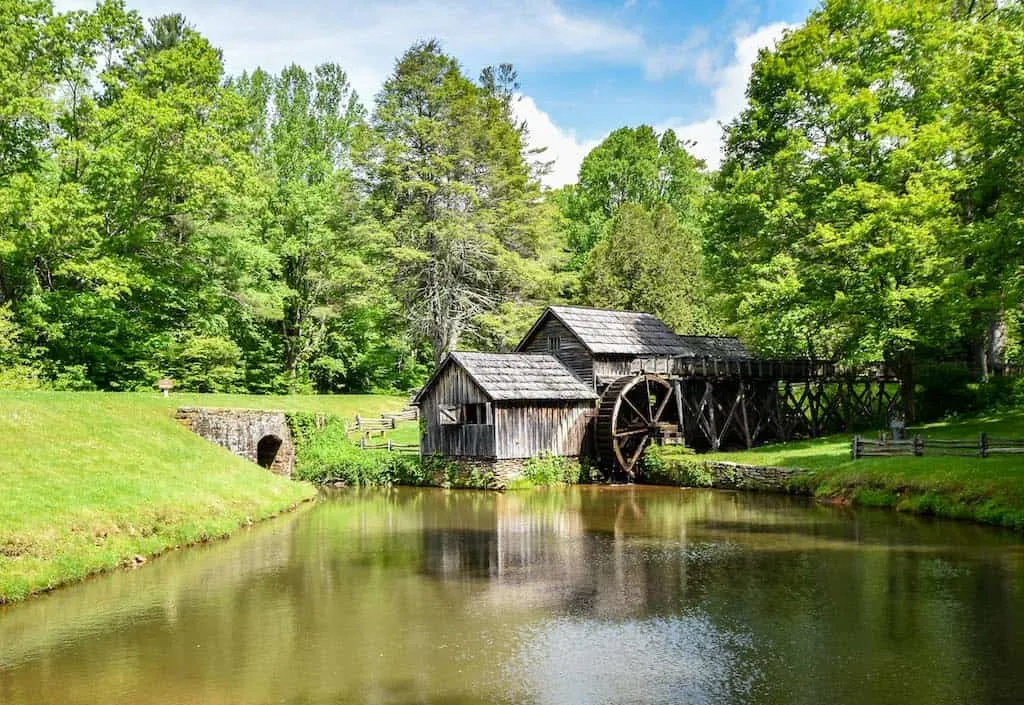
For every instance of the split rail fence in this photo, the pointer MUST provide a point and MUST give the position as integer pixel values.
(389, 446)
(983, 447)
(388, 421)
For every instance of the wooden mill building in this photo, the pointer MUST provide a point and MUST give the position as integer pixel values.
(604, 384)
(600, 346)
(501, 407)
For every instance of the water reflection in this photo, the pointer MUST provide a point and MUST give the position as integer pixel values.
(584, 595)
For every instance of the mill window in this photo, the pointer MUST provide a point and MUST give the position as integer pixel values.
(474, 414)
(554, 343)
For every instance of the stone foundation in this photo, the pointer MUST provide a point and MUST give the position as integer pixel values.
(470, 471)
(734, 476)
(263, 437)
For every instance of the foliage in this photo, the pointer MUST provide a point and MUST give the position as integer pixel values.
(854, 208)
(637, 166)
(452, 187)
(673, 465)
(325, 454)
(547, 470)
(649, 262)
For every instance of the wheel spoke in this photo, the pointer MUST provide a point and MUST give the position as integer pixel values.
(661, 407)
(636, 455)
(631, 432)
(632, 406)
(650, 411)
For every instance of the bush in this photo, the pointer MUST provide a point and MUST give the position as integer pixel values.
(325, 454)
(549, 469)
(944, 389)
(676, 466)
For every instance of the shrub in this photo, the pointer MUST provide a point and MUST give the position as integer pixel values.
(675, 466)
(546, 469)
(325, 454)
(944, 389)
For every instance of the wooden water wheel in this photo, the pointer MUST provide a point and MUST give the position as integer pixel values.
(634, 412)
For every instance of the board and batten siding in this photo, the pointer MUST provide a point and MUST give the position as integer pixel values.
(454, 388)
(528, 429)
(571, 352)
(608, 368)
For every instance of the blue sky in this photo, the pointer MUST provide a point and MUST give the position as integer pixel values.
(586, 67)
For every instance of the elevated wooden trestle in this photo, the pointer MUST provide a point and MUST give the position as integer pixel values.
(738, 403)
(741, 403)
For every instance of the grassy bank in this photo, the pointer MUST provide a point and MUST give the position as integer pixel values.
(989, 490)
(89, 481)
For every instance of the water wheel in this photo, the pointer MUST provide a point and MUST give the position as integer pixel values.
(634, 412)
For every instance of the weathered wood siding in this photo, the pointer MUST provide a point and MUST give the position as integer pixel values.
(527, 429)
(608, 368)
(454, 388)
(571, 351)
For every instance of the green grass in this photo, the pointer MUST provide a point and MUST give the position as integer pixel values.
(88, 481)
(984, 489)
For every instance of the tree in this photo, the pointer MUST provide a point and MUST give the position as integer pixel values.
(649, 262)
(835, 231)
(451, 184)
(302, 126)
(632, 165)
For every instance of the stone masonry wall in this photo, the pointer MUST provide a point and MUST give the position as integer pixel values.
(241, 430)
(734, 476)
(504, 470)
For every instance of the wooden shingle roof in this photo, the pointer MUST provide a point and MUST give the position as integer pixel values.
(519, 377)
(606, 332)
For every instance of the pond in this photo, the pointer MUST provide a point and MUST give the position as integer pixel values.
(577, 595)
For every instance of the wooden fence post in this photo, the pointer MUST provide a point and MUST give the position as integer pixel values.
(918, 444)
(983, 444)
(855, 449)
(362, 442)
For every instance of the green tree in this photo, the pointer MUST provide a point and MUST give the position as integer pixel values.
(647, 261)
(836, 230)
(632, 165)
(451, 183)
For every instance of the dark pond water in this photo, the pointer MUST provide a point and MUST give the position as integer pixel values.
(585, 595)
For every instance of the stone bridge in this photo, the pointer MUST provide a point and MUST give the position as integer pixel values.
(260, 436)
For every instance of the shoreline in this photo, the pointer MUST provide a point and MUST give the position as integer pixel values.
(981, 503)
(134, 562)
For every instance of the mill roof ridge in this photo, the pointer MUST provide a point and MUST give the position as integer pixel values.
(614, 332)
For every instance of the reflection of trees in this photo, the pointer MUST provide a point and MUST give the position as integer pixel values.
(423, 595)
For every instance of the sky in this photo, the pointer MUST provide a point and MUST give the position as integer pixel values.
(586, 67)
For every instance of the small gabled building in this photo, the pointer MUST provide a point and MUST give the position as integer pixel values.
(600, 346)
(496, 408)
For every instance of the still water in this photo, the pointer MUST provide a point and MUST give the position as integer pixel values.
(583, 595)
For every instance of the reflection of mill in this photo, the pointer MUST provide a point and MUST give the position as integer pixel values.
(570, 550)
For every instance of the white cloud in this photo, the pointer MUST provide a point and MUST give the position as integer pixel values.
(365, 38)
(562, 147)
(728, 100)
(690, 55)
(729, 96)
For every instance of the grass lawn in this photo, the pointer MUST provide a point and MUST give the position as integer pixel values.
(985, 489)
(88, 481)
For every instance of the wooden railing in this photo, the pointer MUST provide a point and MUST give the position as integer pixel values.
(755, 368)
(389, 446)
(370, 426)
(983, 447)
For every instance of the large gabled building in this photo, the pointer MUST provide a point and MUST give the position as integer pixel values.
(495, 411)
(600, 346)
